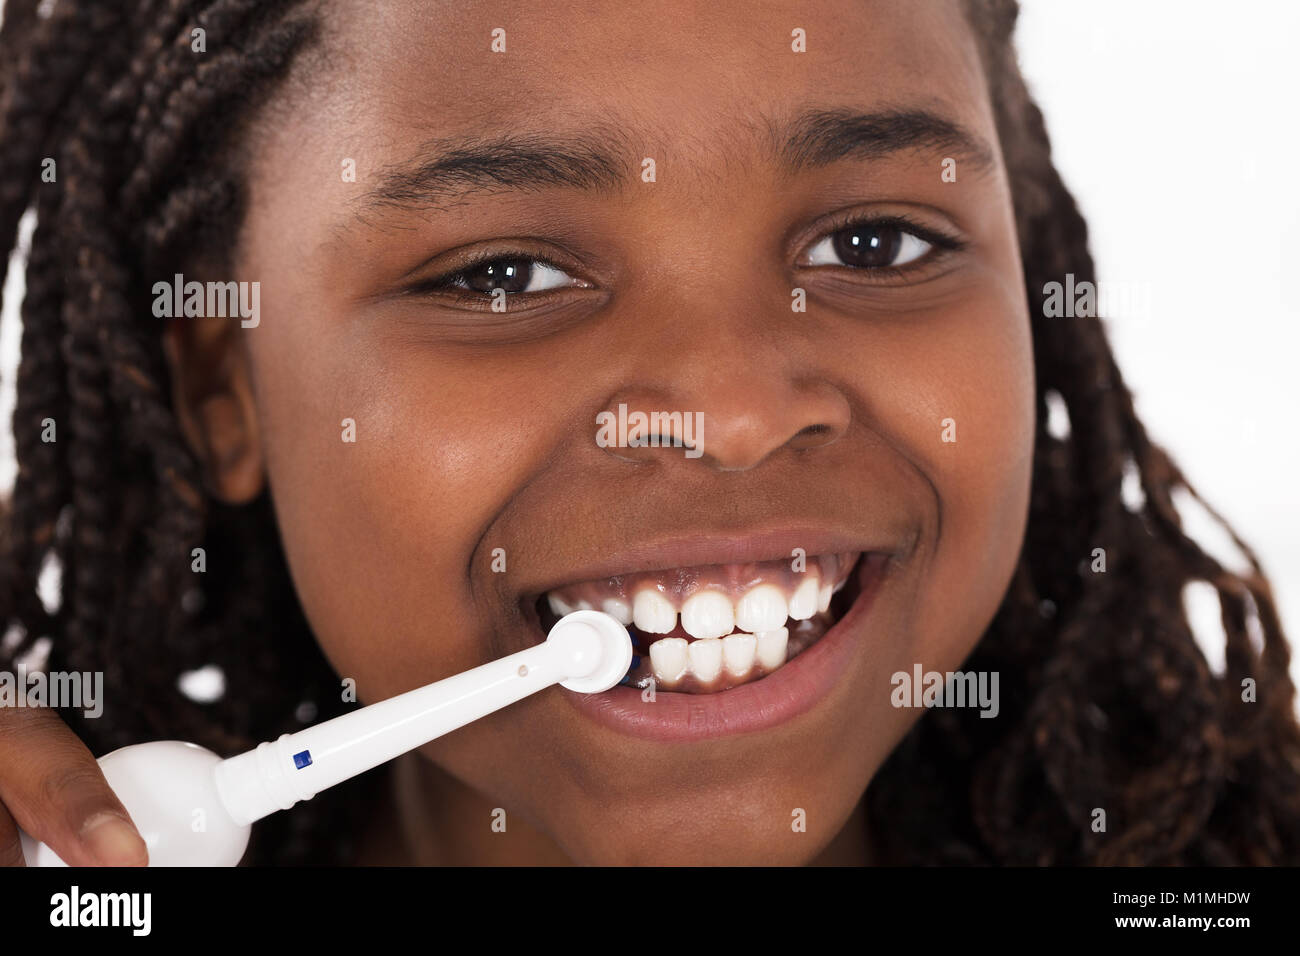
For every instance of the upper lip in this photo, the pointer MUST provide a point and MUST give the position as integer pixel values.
(713, 548)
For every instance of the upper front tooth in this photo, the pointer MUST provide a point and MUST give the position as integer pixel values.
(652, 613)
(708, 614)
(824, 598)
(762, 608)
(668, 658)
(618, 610)
(706, 659)
(558, 607)
(771, 647)
(803, 603)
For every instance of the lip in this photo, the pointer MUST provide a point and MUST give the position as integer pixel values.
(777, 698)
(732, 547)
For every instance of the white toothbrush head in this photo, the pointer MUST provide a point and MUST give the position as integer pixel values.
(596, 649)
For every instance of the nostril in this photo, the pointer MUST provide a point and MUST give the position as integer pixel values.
(656, 440)
(812, 436)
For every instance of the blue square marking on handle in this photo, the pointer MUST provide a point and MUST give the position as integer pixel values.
(302, 760)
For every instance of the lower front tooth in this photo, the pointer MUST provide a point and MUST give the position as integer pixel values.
(738, 653)
(771, 647)
(706, 658)
(668, 659)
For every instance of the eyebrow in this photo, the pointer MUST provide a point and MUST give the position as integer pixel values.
(459, 167)
(822, 137)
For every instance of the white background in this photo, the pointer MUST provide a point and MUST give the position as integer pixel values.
(1174, 124)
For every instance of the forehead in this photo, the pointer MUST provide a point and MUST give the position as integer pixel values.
(687, 72)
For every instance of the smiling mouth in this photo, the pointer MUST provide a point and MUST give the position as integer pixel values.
(709, 628)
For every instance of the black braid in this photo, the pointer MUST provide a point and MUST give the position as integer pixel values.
(126, 108)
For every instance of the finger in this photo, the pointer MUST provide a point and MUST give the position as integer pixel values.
(11, 848)
(54, 789)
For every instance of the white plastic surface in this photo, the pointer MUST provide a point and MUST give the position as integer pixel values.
(612, 655)
(169, 791)
(195, 809)
(587, 651)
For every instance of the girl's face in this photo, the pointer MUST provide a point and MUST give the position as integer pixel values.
(478, 480)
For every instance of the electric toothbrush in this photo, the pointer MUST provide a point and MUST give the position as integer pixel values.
(195, 809)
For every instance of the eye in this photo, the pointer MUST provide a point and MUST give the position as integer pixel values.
(878, 244)
(514, 274)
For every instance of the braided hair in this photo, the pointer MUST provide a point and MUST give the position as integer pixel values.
(116, 95)
(1107, 702)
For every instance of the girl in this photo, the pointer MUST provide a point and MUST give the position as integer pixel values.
(472, 234)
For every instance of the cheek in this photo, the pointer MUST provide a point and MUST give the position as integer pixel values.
(967, 424)
(385, 465)
(984, 483)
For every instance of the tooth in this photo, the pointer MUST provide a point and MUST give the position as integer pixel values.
(618, 610)
(706, 659)
(668, 658)
(738, 653)
(824, 598)
(708, 614)
(581, 605)
(761, 609)
(653, 613)
(803, 603)
(771, 647)
(558, 607)
(840, 586)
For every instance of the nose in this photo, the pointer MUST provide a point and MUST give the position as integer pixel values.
(731, 390)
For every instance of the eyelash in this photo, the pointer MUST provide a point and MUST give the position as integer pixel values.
(443, 283)
(940, 243)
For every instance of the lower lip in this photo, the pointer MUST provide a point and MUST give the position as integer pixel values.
(772, 700)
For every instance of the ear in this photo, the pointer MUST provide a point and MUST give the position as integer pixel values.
(212, 395)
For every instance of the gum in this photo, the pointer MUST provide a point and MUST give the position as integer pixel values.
(678, 584)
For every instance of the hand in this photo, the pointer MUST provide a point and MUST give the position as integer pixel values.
(51, 786)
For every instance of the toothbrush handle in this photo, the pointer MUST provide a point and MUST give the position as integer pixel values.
(169, 790)
(277, 774)
(193, 808)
